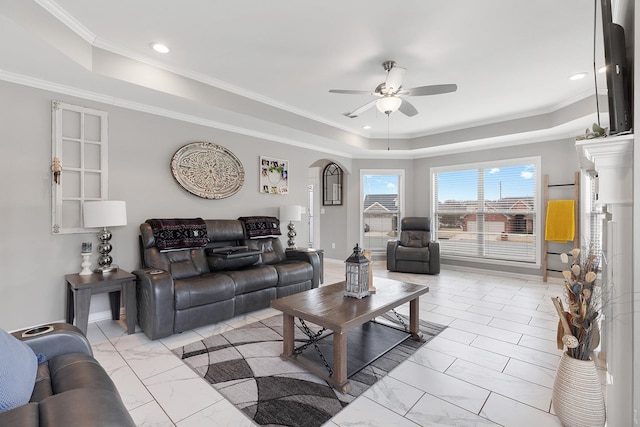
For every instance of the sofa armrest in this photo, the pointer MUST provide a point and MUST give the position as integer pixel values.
(312, 258)
(54, 340)
(434, 257)
(84, 407)
(392, 245)
(155, 299)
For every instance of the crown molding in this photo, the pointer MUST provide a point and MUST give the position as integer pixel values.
(145, 108)
(63, 16)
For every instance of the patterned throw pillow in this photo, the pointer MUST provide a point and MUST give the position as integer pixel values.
(179, 233)
(18, 367)
(260, 226)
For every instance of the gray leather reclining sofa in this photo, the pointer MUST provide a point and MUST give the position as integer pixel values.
(228, 273)
(71, 387)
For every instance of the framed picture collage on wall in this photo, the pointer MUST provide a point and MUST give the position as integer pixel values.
(274, 175)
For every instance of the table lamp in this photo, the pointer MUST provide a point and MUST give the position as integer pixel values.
(104, 213)
(291, 213)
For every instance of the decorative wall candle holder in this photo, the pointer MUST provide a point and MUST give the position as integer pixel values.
(86, 263)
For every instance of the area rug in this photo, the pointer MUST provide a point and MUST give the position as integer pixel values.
(244, 365)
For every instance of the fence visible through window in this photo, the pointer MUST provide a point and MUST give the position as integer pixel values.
(488, 210)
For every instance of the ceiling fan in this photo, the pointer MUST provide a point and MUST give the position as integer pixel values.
(390, 94)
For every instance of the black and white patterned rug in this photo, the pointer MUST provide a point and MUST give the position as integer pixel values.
(244, 365)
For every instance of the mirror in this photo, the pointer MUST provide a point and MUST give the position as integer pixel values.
(332, 185)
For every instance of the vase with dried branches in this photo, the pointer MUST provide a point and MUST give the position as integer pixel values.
(577, 394)
(578, 327)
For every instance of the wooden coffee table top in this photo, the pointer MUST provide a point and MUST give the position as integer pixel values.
(327, 306)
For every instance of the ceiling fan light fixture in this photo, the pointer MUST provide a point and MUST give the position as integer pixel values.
(388, 104)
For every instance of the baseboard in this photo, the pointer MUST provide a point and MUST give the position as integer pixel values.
(556, 280)
(532, 277)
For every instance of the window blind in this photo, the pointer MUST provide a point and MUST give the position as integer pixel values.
(488, 210)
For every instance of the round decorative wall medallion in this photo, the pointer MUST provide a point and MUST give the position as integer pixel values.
(207, 170)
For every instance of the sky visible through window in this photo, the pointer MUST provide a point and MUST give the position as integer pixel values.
(380, 184)
(510, 181)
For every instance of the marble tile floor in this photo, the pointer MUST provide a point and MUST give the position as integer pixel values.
(493, 366)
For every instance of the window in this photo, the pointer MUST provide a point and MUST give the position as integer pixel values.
(382, 205)
(593, 216)
(332, 185)
(79, 149)
(488, 210)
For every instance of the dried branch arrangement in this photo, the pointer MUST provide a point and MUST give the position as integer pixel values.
(578, 328)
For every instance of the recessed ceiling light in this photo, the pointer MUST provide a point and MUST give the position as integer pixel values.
(578, 76)
(160, 47)
(366, 127)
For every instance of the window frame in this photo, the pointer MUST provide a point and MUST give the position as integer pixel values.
(536, 161)
(59, 128)
(332, 174)
(401, 194)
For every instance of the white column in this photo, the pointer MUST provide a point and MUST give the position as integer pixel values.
(612, 159)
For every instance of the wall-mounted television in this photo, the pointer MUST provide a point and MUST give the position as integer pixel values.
(617, 71)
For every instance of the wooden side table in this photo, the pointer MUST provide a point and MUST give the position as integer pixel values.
(80, 288)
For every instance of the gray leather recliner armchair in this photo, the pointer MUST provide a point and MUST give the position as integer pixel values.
(71, 388)
(414, 252)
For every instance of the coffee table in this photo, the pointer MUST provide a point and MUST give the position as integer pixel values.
(328, 308)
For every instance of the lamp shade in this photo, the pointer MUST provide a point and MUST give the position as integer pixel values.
(290, 213)
(388, 104)
(104, 213)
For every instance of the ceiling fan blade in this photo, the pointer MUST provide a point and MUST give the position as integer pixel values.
(430, 90)
(407, 108)
(352, 92)
(355, 113)
(395, 76)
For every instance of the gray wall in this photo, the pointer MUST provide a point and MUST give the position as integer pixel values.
(33, 261)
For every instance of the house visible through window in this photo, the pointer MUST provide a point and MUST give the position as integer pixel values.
(488, 210)
(382, 206)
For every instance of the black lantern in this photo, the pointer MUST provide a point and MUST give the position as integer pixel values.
(357, 274)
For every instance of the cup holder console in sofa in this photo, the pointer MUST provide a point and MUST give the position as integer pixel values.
(201, 280)
(38, 330)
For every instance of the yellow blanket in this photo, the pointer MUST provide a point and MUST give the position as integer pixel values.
(561, 225)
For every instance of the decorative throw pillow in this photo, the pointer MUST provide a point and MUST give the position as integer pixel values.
(256, 227)
(179, 233)
(18, 367)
